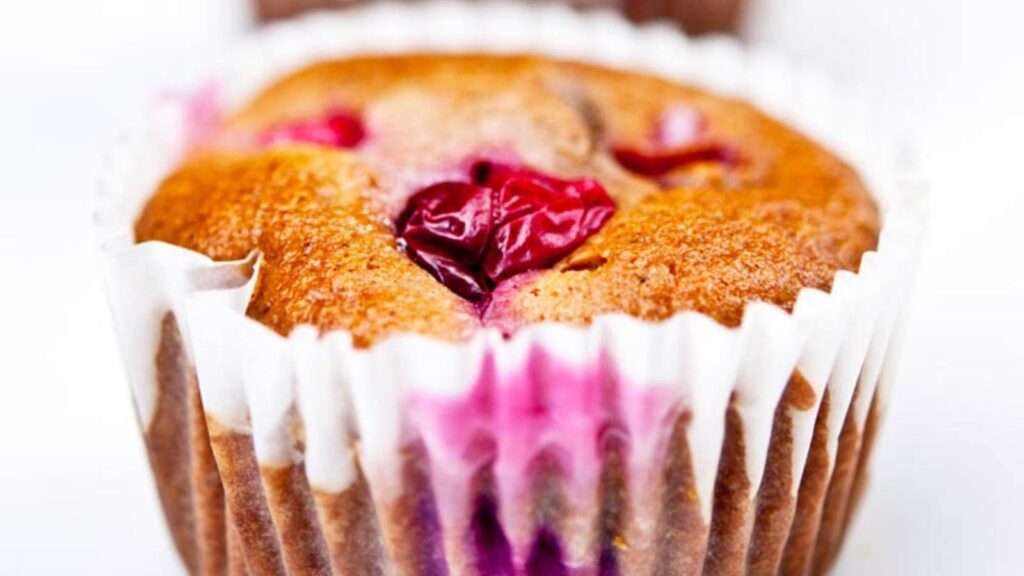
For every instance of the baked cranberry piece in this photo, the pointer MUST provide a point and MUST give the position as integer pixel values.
(507, 220)
(445, 229)
(538, 219)
(678, 141)
(338, 129)
(655, 163)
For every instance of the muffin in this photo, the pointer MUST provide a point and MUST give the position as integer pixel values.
(704, 17)
(504, 314)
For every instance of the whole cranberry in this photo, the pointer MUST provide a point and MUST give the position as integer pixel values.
(538, 219)
(445, 229)
(507, 220)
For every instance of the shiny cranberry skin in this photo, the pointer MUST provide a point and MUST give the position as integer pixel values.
(338, 129)
(506, 221)
(678, 140)
(538, 219)
(655, 163)
(445, 229)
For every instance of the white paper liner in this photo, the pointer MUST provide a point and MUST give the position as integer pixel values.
(255, 380)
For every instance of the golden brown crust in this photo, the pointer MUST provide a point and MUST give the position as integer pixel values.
(327, 259)
(788, 217)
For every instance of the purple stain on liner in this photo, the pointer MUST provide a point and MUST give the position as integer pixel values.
(581, 409)
(579, 414)
(430, 555)
(614, 446)
(491, 546)
(423, 532)
(607, 563)
(546, 555)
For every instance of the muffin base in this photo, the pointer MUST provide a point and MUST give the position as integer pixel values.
(230, 515)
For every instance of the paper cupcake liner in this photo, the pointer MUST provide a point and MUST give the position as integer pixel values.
(626, 447)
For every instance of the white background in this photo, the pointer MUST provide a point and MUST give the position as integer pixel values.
(75, 493)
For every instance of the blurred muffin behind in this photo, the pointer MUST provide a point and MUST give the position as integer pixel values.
(694, 16)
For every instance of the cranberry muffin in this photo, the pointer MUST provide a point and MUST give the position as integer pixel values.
(446, 196)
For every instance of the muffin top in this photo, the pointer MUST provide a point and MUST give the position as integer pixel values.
(443, 194)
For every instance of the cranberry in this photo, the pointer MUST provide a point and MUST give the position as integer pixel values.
(654, 163)
(338, 129)
(445, 229)
(537, 218)
(506, 221)
(678, 140)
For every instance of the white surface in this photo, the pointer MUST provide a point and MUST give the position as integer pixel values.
(75, 493)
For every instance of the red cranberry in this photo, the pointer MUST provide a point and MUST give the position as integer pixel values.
(509, 220)
(538, 219)
(654, 163)
(339, 129)
(678, 140)
(445, 229)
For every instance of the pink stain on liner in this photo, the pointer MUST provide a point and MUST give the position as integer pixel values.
(546, 405)
(201, 111)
